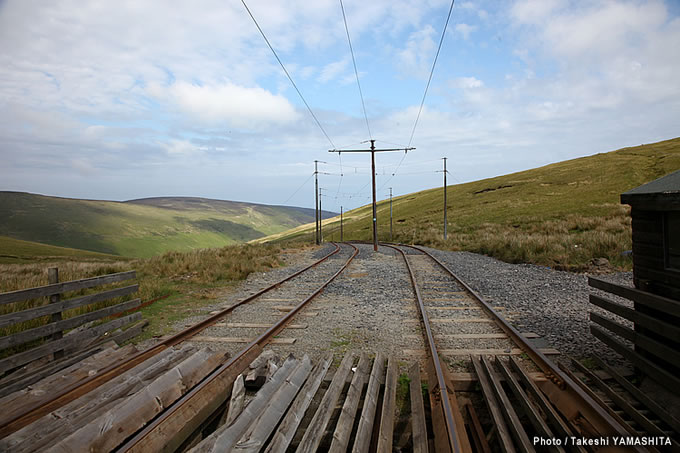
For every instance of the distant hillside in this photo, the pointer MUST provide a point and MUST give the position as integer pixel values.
(18, 251)
(142, 228)
(560, 215)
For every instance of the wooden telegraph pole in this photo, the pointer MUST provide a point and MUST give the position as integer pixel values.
(372, 151)
(316, 202)
(390, 214)
(341, 239)
(444, 197)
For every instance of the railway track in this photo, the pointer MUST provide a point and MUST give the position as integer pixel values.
(572, 411)
(488, 387)
(70, 393)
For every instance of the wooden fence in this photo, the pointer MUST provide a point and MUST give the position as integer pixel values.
(50, 340)
(656, 332)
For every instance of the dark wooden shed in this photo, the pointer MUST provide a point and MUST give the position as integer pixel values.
(655, 211)
(655, 336)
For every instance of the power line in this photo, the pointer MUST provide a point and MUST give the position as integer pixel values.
(356, 73)
(431, 73)
(298, 189)
(287, 74)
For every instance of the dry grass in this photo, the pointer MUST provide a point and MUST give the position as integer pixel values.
(566, 244)
(170, 273)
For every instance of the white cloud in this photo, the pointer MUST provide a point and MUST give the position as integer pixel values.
(332, 70)
(233, 104)
(180, 148)
(465, 30)
(416, 57)
(467, 83)
(535, 11)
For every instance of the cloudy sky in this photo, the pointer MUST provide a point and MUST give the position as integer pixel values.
(130, 99)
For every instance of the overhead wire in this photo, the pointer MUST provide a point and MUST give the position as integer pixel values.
(436, 56)
(287, 74)
(427, 87)
(356, 72)
(298, 189)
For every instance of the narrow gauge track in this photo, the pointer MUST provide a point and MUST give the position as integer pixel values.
(581, 414)
(80, 388)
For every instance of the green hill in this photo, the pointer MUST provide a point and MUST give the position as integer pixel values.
(141, 228)
(18, 251)
(560, 215)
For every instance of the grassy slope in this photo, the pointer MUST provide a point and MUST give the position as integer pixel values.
(140, 228)
(18, 251)
(560, 215)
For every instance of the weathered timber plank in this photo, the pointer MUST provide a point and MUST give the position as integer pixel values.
(451, 320)
(349, 408)
(68, 375)
(660, 350)
(130, 332)
(418, 425)
(610, 410)
(652, 405)
(56, 425)
(48, 309)
(291, 307)
(532, 414)
(664, 304)
(467, 382)
(178, 422)
(66, 343)
(362, 440)
(639, 418)
(240, 339)
(225, 437)
(48, 329)
(476, 431)
(108, 430)
(389, 403)
(504, 438)
(553, 417)
(29, 375)
(476, 336)
(286, 431)
(653, 370)
(457, 352)
(258, 433)
(246, 325)
(660, 327)
(236, 401)
(317, 426)
(60, 288)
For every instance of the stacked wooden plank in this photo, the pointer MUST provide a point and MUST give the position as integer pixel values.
(48, 332)
(102, 419)
(354, 412)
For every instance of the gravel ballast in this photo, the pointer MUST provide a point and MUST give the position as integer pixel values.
(370, 306)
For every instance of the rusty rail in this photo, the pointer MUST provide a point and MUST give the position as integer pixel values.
(575, 397)
(169, 429)
(456, 437)
(88, 384)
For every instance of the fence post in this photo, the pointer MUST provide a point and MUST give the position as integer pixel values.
(53, 277)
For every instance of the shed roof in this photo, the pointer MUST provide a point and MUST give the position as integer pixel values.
(662, 193)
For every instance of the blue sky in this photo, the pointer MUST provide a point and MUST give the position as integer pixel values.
(130, 99)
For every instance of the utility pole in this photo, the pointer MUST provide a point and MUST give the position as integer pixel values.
(320, 219)
(372, 151)
(316, 202)
(444, 197)
(341, 239)
(390, 214)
